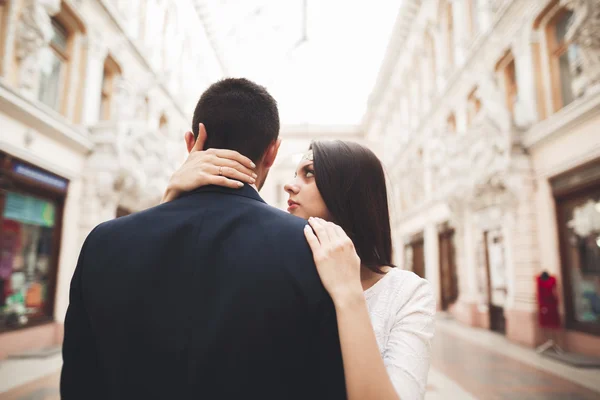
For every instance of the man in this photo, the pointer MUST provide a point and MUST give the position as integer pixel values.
(212, 296)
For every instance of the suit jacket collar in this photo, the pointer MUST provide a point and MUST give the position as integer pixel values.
(244, 191)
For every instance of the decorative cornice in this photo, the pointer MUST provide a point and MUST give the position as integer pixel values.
(567, 118)
(42, 118)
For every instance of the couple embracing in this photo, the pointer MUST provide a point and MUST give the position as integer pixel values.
(216, 295)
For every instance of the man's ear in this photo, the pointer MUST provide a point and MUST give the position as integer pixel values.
(271, 153)
(193, 144)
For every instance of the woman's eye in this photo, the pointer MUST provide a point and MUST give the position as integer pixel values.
(310, 174)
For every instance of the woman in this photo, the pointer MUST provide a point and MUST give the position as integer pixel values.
(388, 311)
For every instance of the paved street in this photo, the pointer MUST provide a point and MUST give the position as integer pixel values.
(468, 364)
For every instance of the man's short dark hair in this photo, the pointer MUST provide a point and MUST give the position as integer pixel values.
(238, 115)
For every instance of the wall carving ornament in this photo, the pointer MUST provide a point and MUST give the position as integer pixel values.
(34, 32)
(584, 31)
(474, 168)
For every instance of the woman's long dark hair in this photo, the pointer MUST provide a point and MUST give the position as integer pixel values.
(351, 181)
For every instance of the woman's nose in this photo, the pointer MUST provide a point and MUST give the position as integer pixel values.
(291, 188)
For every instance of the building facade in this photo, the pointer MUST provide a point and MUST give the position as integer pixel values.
(487, 115)
(95, 96)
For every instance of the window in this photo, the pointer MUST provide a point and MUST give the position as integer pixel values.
(53, 67)
(564, 60)
(31, 202)
(111, 73)
(473, 106)
(578, 210)
(507, 76)
(60, 85)
(451, 123)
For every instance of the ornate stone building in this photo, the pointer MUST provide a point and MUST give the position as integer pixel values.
(487, 115)
(92, 109)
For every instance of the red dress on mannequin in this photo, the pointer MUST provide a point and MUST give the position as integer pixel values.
(547, 303)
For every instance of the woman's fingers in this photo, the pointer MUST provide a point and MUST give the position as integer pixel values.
(320, 230)
(312, 240)
(224, 181)
(232, 173)
(234, 156)
(224, 162)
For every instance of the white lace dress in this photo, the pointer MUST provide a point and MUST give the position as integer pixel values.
(402, 309)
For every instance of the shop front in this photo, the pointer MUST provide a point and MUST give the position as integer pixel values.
(31, 209)
(577, 199)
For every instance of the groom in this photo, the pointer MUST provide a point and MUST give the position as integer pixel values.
(211, 296)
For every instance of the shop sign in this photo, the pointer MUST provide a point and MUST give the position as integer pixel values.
(29, 210)
(40, 176)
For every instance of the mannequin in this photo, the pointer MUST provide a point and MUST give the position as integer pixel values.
(548, 316)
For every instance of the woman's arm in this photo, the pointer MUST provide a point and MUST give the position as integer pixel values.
(339, 268)
(226, 168)
(366, 375)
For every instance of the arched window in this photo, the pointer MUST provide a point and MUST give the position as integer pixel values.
(107, 96)
(56, 71)
(563, 59)
(558, 56)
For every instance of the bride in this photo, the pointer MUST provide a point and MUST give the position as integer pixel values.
(385, 315)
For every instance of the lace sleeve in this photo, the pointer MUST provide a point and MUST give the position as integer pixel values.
(408, 350)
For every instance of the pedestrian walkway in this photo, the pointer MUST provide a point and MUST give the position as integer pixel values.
(467, 364)
(488, 366)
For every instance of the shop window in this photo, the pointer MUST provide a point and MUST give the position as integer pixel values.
(507, 76)
(31, 205)
(26, 259)
(111, 73)
(579, 227)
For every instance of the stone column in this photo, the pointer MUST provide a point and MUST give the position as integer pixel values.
(487, 13)
(526, 108)
(521, 312)
(465, 309)
(461, 35)
(96, 54)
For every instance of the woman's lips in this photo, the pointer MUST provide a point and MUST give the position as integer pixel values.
(292, 205)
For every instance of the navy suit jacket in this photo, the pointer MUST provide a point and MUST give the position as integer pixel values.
(212, 296)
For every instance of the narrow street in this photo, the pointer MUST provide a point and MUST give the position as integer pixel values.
(467, 364)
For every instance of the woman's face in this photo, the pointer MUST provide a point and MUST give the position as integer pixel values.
(305, 200)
